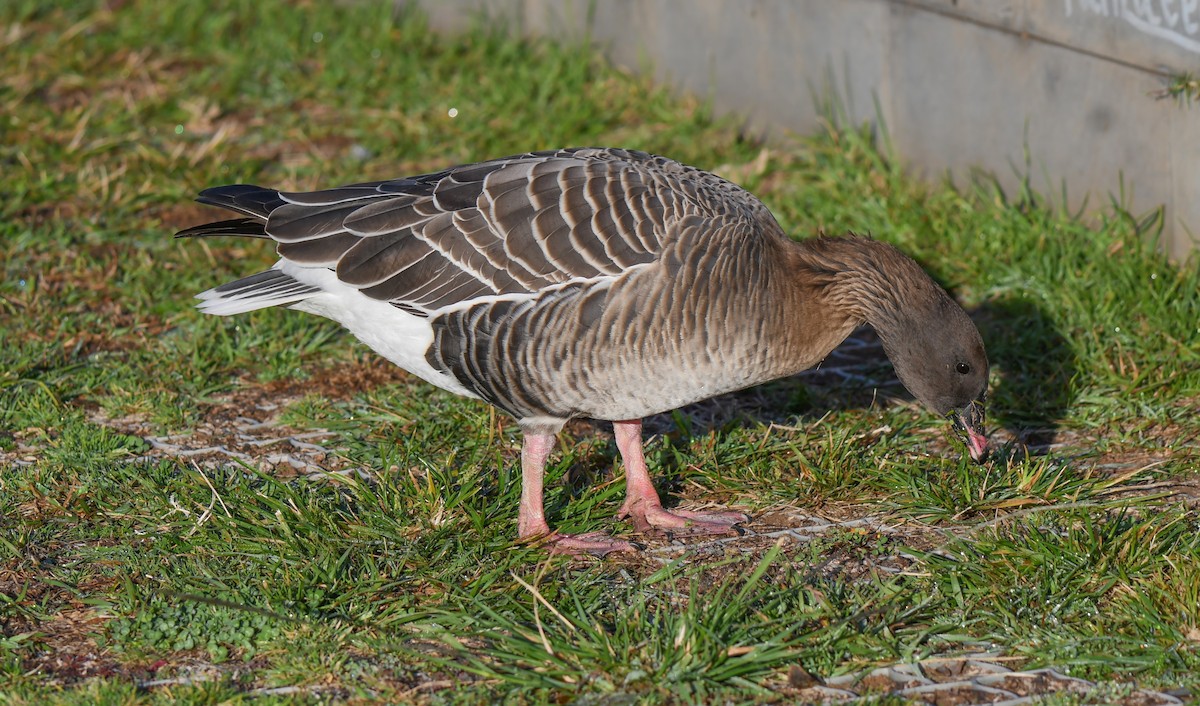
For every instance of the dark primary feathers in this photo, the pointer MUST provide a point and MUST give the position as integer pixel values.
(591, 282)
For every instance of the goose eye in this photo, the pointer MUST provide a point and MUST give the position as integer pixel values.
(963, 368)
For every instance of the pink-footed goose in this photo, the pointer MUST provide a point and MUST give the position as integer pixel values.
(599, 283)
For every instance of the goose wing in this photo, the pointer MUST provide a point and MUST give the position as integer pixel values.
(510, 226)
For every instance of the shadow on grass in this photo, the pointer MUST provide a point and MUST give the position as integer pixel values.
(1036, 366)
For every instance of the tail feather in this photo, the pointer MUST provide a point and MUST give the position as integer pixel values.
(258, 291)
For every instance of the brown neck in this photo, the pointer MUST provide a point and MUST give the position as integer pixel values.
(817, 310)
(863, 280)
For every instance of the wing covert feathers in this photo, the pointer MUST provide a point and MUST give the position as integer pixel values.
(511, 226)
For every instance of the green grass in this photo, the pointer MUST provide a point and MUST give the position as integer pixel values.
(121, 565)
(1183, 87)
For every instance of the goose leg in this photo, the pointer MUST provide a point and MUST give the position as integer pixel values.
(642, 504)
(531, 517)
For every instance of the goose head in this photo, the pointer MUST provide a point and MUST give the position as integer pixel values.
(939, 356)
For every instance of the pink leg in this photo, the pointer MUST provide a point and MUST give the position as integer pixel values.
(642, 504)
(531, 517)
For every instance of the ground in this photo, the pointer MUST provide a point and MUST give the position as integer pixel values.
(201, 509)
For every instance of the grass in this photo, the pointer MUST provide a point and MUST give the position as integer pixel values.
(1183, 87)
(129, 574)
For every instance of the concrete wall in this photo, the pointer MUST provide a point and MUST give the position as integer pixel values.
(960, 84)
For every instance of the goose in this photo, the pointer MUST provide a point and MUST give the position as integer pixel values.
(595, 282)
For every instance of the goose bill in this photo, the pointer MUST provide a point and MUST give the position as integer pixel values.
(968, 422)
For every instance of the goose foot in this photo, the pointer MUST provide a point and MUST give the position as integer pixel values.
(531, 516)
(648, 517)
(642, 504)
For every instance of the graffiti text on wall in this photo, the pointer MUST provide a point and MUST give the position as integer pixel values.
(1176, 21)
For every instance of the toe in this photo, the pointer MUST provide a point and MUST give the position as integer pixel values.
(727, 518)
(687, 522)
